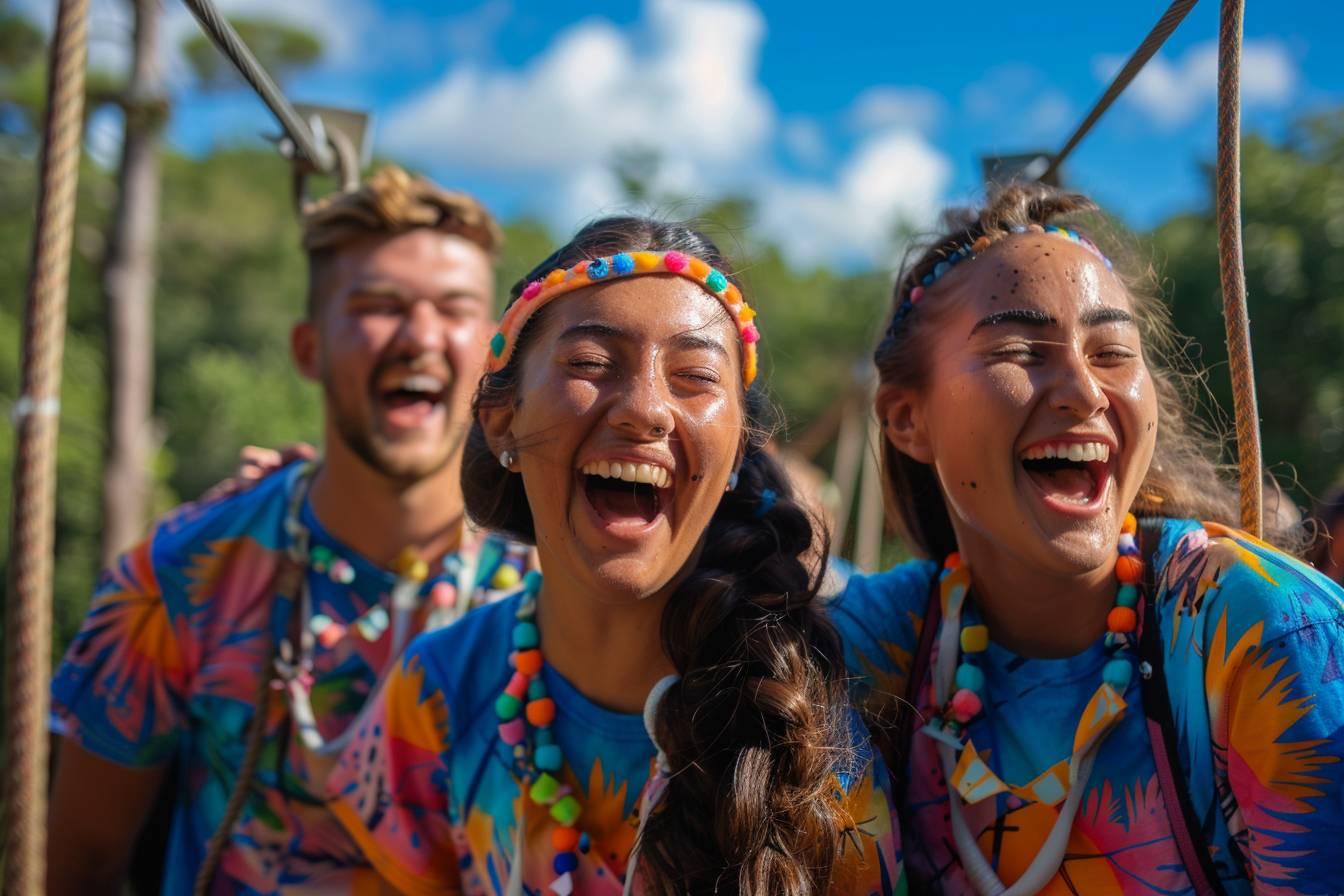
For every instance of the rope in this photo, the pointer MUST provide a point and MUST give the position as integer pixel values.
(36, 422)
(1151, 44)
(309, 146)
(1231, 266)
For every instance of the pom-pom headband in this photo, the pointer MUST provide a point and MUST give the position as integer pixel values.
(961, 253)
(626, 264)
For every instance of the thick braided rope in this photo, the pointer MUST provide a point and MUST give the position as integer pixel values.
(1231, 267)
(36, 421)
(1151, 44)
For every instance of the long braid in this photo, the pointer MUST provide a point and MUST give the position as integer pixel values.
(755, 729)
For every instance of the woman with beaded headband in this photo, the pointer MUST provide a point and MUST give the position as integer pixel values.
(667, 712)
(1113, 696)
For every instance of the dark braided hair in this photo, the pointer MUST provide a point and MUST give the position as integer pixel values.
(757, 726)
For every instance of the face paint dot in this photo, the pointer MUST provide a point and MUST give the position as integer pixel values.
(972, 484)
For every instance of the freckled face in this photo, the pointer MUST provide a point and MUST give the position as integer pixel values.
(1041, 414)
(629, 423)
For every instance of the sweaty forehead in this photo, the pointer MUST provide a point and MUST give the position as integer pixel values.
(652, 307)
(1036, 271)
(423, 258)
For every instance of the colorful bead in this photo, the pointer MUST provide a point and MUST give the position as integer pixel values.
(566, 811)
(531, 290)
(342, 572)
(751, 335)
(916, 294)
(940, 269)
(975, 639)
(548, 758)
(1127, 596)
(1130, 525)
(544, 789)
(319, 557)
(622, 263)
(1117, 673)
(1126, 544)
(532, 582)
(1122, 620)
(507, 706)
(443, 595)
(674, 262)
(319, 622)
(331, 635)
(565, 862)
(536, 690)
(565, 839)
(953, 560)
(1128, 569)
(373, 623)
(645, 261)
(716, 281)
(584, 843)
(541, 713)
(525, 636)
(410, 565)
(505, 577)
(555, 277)
(517, 687)
(970, 678)
(598, 268)
(965, 705)
(697, 268)
(497, 345)
(513, 731)
(528, 662)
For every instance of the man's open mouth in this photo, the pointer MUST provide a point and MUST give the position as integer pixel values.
(625, 492)
(1072, 473)
(410, 400)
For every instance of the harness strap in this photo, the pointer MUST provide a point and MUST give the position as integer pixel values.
(1185, 824)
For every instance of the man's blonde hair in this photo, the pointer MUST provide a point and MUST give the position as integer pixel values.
(390, 202)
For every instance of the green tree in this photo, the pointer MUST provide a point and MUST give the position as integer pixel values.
(1293, 219)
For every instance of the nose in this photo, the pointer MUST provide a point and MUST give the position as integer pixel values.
(1076, 390)
(422, 330)
(643, 407)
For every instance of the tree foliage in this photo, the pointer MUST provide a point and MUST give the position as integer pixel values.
(282, 50)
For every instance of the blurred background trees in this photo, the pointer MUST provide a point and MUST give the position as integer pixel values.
(227, 281)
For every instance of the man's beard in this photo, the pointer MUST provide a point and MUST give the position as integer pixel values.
(360, 438)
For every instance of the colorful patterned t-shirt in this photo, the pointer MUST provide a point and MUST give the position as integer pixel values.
(431, 793)
(168, 662)
(1254, 652)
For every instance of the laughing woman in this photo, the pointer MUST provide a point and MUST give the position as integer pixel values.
(667, 712)
(1121, 705)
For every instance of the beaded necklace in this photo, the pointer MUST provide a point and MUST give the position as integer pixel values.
(524, 702)
(294, 667)
(959, 684)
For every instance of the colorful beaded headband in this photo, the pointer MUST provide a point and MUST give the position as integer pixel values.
(626, 264)
(972, 249)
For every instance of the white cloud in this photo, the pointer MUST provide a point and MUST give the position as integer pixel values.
(682, 83)
(805, 141)
(1172, 93)
(892, 177)
(910, 108)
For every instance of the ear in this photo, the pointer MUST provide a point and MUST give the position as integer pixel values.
(497, 424)
(900, 410)
(304, 349)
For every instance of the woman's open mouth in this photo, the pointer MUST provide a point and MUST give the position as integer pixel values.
(626, 497)
(1072, 476)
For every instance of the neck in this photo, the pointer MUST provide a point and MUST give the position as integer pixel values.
(380, 517)
(611, 651)
(1038, 614)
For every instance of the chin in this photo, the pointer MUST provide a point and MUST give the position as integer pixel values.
(1080, 550)
(629, 578)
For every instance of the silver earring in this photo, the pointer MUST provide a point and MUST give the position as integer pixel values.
(506, 459)
(732, 481)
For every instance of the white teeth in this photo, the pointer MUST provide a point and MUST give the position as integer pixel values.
(650, 474)
(1078, 452)
(421, 382)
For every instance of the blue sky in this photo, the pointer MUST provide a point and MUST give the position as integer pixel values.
(838, 118)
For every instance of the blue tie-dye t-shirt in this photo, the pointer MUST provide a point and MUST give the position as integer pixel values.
(1254, 656)
(432, 796)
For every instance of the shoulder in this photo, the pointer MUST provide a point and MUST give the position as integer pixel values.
(256, 513)
(464, 660)
(897, 594)
(1233, 577)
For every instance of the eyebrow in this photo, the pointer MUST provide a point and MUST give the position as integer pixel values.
(688, 341)
(1033, 317)
(391, 290)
